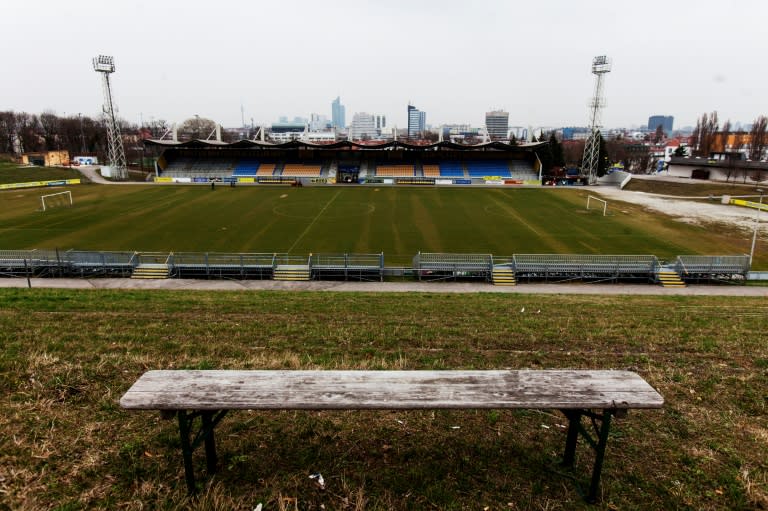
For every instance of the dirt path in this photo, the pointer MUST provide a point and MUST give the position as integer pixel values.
(385, 287)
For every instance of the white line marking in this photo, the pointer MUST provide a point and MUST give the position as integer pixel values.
(313, 222)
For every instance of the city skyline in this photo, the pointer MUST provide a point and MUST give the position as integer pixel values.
(173, 63)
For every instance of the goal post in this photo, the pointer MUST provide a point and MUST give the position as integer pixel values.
(56, 199)
(593, 198)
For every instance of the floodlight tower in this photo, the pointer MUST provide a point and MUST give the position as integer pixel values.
(600, 66)
(106, 65)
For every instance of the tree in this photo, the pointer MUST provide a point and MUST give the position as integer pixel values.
(680, 152)
(703, 134)
(659, 135)
(725, 133)
(759, 140)
(558, 157)
(197, 127)
(573, 151)
(50, 124)
(7, 131)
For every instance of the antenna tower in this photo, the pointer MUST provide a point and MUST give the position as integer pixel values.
(600, 66)
(106, 65)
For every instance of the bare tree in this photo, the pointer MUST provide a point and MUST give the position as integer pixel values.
(7, 132)
(50, 126)
(197, 127)
(703, 134)
(725, 133)
(758, 137)
(27, 127)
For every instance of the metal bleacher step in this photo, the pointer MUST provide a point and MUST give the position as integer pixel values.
(503, 277)
(151, 271)
(670, 278)
(292, 272)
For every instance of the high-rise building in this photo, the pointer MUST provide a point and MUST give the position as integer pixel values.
(417, 122)
(363, 126)
(318, 122)
(497, 123)
(338, 113)
(665, 121)
(381, 121)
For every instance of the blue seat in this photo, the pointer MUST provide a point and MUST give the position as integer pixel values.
(451, 169)
(480, 169)
(246, 168)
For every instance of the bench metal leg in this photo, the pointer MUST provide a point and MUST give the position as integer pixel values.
(601, 422)
(191, 441)
(186, 450)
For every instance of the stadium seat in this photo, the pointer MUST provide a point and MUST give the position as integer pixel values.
(301, 170)
(266, 169)
(246, 168)
(451, 169)
(395, 170)
(480, 169)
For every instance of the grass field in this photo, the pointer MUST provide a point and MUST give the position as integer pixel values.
(14, 173)
(68, 356)
(398, 221)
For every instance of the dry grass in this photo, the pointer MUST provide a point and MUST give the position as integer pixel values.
(69, 355)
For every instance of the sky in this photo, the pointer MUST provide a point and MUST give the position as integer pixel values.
(455, 60)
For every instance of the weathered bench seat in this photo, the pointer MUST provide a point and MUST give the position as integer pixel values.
(210, 394)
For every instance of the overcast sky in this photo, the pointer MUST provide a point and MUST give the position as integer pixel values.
(453, 59)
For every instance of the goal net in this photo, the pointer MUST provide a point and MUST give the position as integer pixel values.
(598, 203)
(56, 200)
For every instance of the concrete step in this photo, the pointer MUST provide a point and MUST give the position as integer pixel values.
(151, 271)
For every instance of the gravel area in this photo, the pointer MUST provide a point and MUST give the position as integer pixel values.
(688, 210)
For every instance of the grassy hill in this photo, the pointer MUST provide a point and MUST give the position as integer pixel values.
(14, 173)
(68, 356)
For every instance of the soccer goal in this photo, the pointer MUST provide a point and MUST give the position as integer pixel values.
(593, 198)
(56, 200)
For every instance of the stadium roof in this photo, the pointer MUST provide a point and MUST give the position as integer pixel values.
(353, 146)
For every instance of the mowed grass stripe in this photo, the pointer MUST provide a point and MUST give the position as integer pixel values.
(398, 221)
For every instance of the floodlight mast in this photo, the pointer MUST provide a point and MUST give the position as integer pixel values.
(116, 155)
(600, 66)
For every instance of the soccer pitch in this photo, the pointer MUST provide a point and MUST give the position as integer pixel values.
(399, 221)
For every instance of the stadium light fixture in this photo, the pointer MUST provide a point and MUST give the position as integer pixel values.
(757, 225)
(104, 64)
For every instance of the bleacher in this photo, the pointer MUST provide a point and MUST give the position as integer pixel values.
(246, 168)
(266, 169)
(480, 169)
(563, 267)
(523, 170)
(451, 169)
(395, 171)
(301, 170)
(431, 170)
(697, 268)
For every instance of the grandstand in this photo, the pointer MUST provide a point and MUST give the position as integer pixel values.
(387, 163)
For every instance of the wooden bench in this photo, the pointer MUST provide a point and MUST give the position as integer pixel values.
(209, 395)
